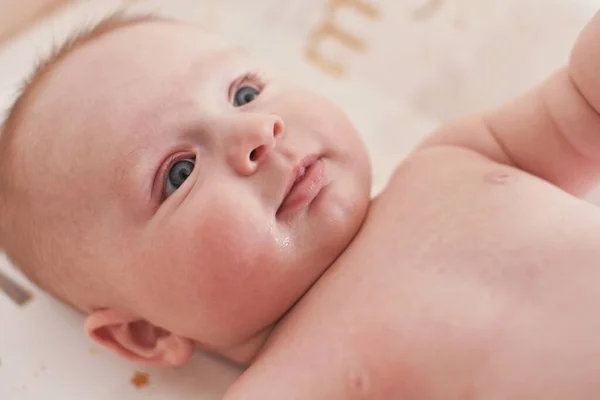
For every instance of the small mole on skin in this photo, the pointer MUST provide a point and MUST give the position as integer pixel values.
(360, 385)
(140, 379)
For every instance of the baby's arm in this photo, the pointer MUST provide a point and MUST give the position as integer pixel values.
(553, 131)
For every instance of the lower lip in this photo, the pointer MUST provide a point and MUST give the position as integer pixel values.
(306, 189)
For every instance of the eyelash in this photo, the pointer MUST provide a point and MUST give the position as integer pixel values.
(171, 161)
(256, 79)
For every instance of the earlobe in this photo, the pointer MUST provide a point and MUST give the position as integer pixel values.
(137, 340)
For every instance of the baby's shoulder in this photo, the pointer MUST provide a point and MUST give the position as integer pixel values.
(447, 165)
(447, 175)
(459, 192)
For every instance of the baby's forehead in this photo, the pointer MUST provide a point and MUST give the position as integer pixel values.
(111, 82)
(105, 103)
(92, 113)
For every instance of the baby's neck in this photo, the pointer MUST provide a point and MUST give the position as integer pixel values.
(246, 352)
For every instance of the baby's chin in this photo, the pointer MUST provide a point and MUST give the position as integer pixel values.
(343, 227)
(326, 258)
(346, 217)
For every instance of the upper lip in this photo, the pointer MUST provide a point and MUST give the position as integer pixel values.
(297, 173)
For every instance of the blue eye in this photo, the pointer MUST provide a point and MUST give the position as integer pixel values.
(178, 174)
(245, 95)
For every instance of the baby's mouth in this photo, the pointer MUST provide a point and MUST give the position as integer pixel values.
(306, 182)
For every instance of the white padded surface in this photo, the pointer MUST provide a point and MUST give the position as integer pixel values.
(426, 61)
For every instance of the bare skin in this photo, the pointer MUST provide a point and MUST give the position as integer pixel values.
(471, 278)
(426, 306)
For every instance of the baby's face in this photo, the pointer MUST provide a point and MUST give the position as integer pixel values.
(176, 154)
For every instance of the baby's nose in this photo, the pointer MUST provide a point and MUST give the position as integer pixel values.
(251, 138)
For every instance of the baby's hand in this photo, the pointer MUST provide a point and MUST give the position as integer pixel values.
(553, 131)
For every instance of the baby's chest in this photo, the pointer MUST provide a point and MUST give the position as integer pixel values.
(456, 267)
(464, 230)
(458, 208)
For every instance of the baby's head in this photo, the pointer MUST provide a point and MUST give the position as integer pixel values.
(145, 178)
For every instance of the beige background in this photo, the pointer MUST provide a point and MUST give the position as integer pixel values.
(400, 69)
(17, 15)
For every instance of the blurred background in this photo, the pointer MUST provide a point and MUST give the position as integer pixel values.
(400, 68)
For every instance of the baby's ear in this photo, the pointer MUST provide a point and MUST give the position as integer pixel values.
(138, 340)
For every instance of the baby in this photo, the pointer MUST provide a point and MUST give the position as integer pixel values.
(182, 196)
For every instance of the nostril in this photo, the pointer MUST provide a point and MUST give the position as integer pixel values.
(278, 127)
(257, 153)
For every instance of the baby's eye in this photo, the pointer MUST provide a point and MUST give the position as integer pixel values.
(244, 95)
(178, 173)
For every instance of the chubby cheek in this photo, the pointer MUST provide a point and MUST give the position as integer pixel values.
(240, 257)
(222, 266)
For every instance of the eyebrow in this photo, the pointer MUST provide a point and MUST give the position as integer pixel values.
(134, 165)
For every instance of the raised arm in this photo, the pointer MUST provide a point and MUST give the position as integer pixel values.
(553, 131)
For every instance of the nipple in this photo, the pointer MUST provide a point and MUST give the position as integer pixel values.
(498, 177)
